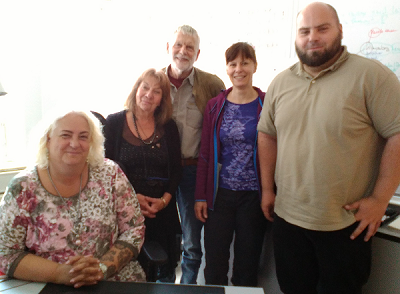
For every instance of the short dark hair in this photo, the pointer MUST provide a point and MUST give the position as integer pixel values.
(240, 48)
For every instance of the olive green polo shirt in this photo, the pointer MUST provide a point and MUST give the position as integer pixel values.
(330, 133)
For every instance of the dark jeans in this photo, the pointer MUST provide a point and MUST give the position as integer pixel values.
(320, 262)
(191, 226)
(236, 212)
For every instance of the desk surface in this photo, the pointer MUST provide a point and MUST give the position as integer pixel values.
(387, 232)
(14, 286)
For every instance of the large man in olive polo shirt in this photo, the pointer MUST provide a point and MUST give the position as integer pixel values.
(191, 89)
(330, 132)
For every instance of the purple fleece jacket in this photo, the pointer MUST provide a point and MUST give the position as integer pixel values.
(206, 179)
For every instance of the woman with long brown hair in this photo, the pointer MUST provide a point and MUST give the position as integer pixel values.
(144, 141)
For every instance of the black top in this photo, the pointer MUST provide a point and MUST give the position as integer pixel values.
(152, 170)
(142, 163)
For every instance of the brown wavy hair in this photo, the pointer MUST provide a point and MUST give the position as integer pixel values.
(163, 113)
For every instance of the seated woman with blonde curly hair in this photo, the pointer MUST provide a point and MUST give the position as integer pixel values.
(73, 218)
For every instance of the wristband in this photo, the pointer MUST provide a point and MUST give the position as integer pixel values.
(103, 269)
(165, 202)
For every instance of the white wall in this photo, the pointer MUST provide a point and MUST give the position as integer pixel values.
(90, 52)
(5, 178)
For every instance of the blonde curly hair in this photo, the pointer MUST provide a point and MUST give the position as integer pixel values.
(48, 125)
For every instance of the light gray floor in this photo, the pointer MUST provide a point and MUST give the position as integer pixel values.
(178, 273)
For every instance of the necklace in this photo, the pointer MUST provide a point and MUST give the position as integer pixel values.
(78, 242)
(137, 131)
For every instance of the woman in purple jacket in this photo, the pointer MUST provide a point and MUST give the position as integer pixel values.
(228, 186)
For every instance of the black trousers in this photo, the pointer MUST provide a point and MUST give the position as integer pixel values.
(236, 212)
(320, 262)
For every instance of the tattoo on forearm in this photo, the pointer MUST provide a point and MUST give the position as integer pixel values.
(111, 270)
(120, 254)
(127, 245)
(124, 256)
(119, 245)
(110, 255)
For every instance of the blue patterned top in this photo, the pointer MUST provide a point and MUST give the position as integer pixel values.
(238, 134)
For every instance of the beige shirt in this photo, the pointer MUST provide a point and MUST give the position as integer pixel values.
(189, 102)
(187, 116)
(330, 132)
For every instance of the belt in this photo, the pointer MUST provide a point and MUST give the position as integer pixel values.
(189, 161)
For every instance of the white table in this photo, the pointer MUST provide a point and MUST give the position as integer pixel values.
(20, 287)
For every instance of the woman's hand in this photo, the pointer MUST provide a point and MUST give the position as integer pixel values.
(200, 209)
(146, 205)
(77, 271)
(85, 271)
(150, 206)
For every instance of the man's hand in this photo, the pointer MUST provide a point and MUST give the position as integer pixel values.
(369, 212)
(267, 153)
(268, 204)
(200, 209)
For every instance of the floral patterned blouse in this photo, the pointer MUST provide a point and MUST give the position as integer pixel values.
(34, 221)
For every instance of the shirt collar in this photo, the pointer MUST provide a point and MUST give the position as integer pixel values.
(190, 77)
